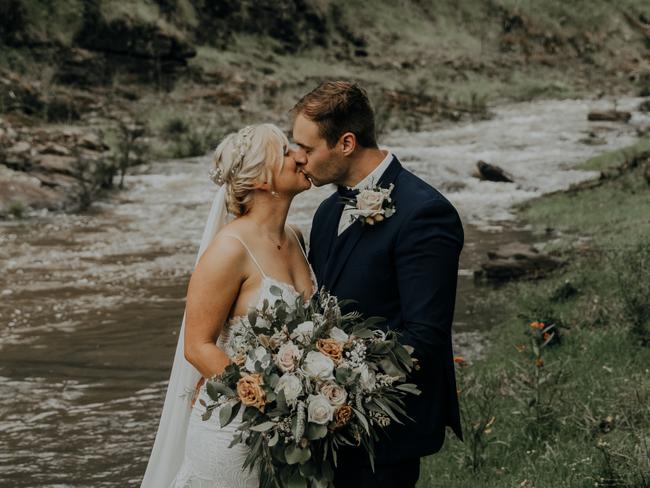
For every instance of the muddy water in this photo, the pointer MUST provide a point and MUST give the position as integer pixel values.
(90, 305)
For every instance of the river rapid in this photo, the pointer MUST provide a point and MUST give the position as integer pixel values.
(90, 305)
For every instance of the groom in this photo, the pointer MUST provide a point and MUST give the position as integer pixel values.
(402, 267)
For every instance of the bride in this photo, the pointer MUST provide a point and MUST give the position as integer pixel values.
(246, 248)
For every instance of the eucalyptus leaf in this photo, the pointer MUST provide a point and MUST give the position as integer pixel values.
(389, 367)
(297, 481)
(263, 427)
(362, 420)
(316, 431)
(296, 455)
(274, 440)
(216, 388)
(276, 291)
(363, 333)
(224, 414)
(252, 317)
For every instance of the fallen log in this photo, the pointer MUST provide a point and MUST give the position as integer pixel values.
(609, 116)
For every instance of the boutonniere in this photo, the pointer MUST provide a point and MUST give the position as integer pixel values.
(372, 205)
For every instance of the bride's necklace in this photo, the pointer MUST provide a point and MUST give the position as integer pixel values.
(277, 244)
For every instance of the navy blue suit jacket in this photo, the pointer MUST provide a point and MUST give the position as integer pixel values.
(404, 269)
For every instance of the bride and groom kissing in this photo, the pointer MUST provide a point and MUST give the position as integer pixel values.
(386, 240)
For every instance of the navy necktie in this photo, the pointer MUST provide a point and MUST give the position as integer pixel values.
(346, 192)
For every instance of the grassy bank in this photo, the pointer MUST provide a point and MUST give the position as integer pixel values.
(566, 404)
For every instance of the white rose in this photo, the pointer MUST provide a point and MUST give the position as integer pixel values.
(334, 393)
(338, 334)
(319, 409)
(262, 323)
(318, 365)
(291, 386)
(303, 332)
(259, 354)
(287, 356)
(367, 377)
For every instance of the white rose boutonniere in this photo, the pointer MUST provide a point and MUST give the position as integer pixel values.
(372, 205)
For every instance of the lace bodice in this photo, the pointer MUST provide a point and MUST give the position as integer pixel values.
(289, 294)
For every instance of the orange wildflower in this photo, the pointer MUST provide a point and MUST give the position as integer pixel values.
(546, 336)
(537, 325)
(539, 362)
(459, 359)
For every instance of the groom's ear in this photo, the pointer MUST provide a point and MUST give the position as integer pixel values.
(348, 143)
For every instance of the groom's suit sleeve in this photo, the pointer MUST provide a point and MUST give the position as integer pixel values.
(427, 250)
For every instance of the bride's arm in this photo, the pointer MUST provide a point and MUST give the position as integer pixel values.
(213, 289)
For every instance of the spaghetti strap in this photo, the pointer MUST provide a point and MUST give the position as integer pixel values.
(249, 253)
(299, 243)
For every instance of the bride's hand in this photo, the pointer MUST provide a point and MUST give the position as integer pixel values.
(199, 384)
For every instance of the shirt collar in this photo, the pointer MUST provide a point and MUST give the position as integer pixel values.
(375, 174)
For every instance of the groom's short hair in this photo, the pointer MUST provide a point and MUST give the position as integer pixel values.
(338, 107)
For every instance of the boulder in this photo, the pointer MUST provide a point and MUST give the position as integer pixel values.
(18, 188)
(93, 142)
(516, 261)
(18, 95)
(83, 68)
(491, 172)
(51, 163)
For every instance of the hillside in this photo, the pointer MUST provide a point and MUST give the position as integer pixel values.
(167, 78)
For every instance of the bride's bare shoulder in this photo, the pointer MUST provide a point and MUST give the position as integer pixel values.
(226, 249)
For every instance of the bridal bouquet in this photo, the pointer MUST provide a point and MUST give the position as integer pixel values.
(310, 379)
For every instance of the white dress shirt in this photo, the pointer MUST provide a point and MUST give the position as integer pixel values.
(367, 182)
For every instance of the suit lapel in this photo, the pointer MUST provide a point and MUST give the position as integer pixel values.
(341, 248)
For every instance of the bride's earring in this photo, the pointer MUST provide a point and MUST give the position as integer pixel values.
(275, 193)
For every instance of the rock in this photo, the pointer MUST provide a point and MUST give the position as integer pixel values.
(516, 261)
(51, 163)
(62, 107)
(20, 148)
(19, 95)
(143, 48)
(593, 139)
(82, 68)
(18, 188)
(58, 181)
(53, 148)
(609, 116)
(93, 142)
(490, 172)
(644, 106)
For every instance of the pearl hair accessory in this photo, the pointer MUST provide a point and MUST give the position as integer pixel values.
(241, 146)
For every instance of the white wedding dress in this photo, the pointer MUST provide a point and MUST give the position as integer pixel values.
(208, 461)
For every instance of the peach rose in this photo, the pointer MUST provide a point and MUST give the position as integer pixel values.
(239, 359)
(250, 392)
(334, 393)
(343, 415)
(331, 348)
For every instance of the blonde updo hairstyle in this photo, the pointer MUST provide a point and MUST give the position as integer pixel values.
(247, 157)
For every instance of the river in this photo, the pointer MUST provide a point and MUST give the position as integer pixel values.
(90, 305)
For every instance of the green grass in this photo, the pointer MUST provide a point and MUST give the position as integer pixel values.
(594, 429)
